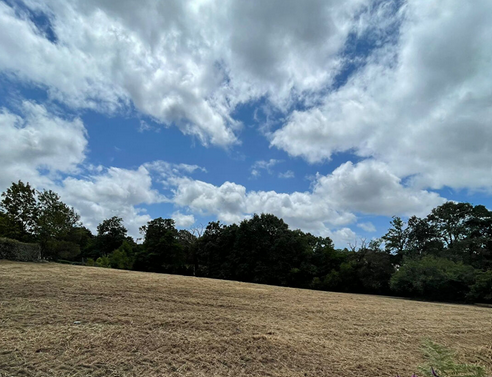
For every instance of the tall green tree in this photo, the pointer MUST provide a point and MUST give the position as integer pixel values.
(423, 238)
(110, 235)
(55, 219)
(396, 238)
(478, 245)
(55, 222)
(189, 243)
(19, 203)
(162, 251)
(216, 251)
(451, 222)
(35, 216)
(266, 250)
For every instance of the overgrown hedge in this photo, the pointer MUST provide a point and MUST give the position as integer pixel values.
(19, 251)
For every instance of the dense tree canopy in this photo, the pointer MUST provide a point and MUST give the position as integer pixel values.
(31, 215)
(21, 211)
(110, 235)
(446, 255)
(162, 251)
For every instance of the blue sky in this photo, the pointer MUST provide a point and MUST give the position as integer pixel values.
(332, 115)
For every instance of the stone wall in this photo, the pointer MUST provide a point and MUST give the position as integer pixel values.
(19, 251)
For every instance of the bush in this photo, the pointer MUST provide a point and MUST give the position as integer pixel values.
(481, 291)
(122, 257)
(19, 251)
(103, 262)
(434, 278)
(90, 262)
(61, 250)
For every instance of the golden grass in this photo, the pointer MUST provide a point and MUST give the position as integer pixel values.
(142, 324)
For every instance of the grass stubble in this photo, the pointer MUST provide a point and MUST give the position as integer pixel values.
(143, 324)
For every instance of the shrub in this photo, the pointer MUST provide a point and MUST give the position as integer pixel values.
(434, 278)
(103, 262)
(60, 250)
(481, 291)
(19, 251)
(122, 257)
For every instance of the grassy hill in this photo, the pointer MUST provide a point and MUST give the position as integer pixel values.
(143, 324)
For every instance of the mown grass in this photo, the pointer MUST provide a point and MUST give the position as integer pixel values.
(143, 324)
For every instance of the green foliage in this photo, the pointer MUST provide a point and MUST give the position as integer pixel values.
(423, 238)
(56, 219)
(90, 262)
(265, 251)
(55, 222)
(103, 262)
(56, 249)
(15, 250)
(122, 257)
(31, 215)
(83, 238)
(110, 235)
(397, 236)
(434, 278)
(481, 291)
(162, 251)
(444, 256)
(450, 222)
(443, 361)
(189, 244)
(20, 206)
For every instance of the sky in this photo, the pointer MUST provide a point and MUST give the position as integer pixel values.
(333, 115)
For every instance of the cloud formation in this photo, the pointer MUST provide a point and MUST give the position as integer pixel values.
(187, 64)
(260, 165)
(400, 88)
(35, 139)
(40, 147)
(367, 187)
(112, 192)
(183, 220)
(419, 105)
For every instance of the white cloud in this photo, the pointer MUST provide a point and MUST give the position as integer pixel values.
(343, 237)
(287, 174)
(367, 187)
(165, 172)
(37, 145)
(231, 203)
(183, 63)
(38, 139)
(183, 220)
(263, 165)
(367, 226)
(416, 113)
(112, 192)
(421, 105)
(144, 126)
(226, 201)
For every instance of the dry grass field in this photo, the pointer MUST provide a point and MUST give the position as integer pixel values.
(142, 324)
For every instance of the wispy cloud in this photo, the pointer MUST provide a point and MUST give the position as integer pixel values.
(287, 174)
(260, 165)
(367, 226)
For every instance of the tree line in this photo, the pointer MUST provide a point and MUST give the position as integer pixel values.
(446, 255)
